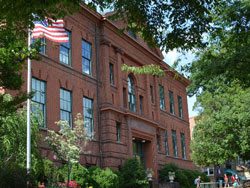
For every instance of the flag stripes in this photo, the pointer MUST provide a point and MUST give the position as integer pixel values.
(53, 31)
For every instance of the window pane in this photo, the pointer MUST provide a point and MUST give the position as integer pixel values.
(131, 95)
(162, 97)
(38, 104)
(180, 107)
(86, 57)
(174, 140)
(88, 116)
(166, 143)
(65, 51)
(65, 106)
(171, 102)
(183, 146)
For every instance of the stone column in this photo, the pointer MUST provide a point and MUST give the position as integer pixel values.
(119, 54)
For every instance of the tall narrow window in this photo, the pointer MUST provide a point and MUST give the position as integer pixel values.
(171, 102)
(158, 140)
(141, 104)
(183, 146)
(180, 107)
(124, 97)
(38, 105)
(152, 93)
(88, 116)
(66, 106)
(174, 141)
(118, 131)
(131, 94)
(65, 51)
(162, 97)
(111, 74)
(86, 57)
(166, 142)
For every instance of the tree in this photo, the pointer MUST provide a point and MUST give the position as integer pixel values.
(228, 50)
(133, 175)
(69, 142)
(13, 147)
(222, 130)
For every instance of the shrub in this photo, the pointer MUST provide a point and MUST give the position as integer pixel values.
(103, 178)
(183, 176)
(133, 175)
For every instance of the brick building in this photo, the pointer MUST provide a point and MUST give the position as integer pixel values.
(125, 115)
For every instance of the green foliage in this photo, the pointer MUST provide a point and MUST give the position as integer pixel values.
(133, 175)
(222, 131)
(152, 69)
(228, 52)
(103, 178)
(183, 176)
(13, 147)
(69, 142)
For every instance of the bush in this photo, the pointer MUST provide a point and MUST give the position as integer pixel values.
(103, 178)
(183, 176)
(133, 175)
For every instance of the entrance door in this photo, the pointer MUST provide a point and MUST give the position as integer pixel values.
(138, 150)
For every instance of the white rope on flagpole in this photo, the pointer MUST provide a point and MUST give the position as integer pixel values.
(28, 162)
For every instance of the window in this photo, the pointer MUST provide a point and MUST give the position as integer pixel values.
(162, 98)
(166, 142)
(138, 150)
(171, 102)
(111, 74)
(174, 141)
(65, 51)
(141, 104)
(180, 107)
(42, 48)
(118, 131)
(131, 94)
(183, 146)
(86, 57)
(158, 140)
(65, 106)
(38, 104)
(152, 93)
(124, 92)
(88, 116)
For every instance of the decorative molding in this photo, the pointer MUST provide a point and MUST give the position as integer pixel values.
(105, 42)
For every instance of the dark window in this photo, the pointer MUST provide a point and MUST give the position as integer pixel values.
(88, 116)
(118, 131)
(180, 107)
(152, 93)
(131, 94)
(38, 104)
(158, 140)
(141, 104)
(124, 97)
(166, 142)
(162, 97)
(171, 102)
(86, 57)
(138, 151)
(66, 106)
(183, 146)
(174, 141)
(111, 74)
(65, 51)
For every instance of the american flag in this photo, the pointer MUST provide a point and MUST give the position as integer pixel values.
(53, 31)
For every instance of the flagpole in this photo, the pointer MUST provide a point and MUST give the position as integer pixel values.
(28, 160)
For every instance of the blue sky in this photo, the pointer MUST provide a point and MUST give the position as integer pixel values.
(170, 58)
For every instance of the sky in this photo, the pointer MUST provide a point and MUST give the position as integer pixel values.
(170, 58)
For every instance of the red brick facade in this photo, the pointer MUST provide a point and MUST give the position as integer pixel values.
(111, 100)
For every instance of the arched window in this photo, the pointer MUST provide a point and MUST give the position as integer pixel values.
(131, 94)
